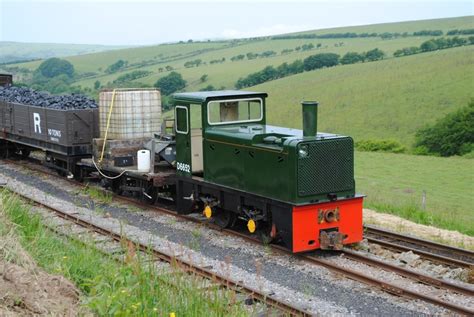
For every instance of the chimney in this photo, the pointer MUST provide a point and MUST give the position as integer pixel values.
(310, 118)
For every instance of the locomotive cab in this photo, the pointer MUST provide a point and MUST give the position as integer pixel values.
(294, 186)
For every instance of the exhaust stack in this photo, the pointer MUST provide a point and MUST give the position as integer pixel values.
(310, 118)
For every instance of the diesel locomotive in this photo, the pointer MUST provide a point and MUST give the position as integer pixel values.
(294, 186)
(220, 158)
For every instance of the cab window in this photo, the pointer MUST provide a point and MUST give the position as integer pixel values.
(234, 111)
(181, 115)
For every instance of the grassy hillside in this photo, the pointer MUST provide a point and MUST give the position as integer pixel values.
(408, 26)
(379, 100)
(226, 74)
(395, 183)
(16, 51)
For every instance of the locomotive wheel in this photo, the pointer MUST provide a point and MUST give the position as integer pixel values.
(224, 218)
(267, 233)
(61, 173)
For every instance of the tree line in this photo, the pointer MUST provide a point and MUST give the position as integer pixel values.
(330, 59)
(384, 35)
(310, 63)
(434, 44)
(460, 32)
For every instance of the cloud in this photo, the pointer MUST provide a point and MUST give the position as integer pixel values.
(264, 31)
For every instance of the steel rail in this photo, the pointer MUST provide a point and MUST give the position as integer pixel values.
(385, 286)
(391, 287)
(452, 256)
(423, 254)
(411, 274)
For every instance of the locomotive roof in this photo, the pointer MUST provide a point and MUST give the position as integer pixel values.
(204, 96)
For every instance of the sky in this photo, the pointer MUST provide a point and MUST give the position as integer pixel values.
(127, 22)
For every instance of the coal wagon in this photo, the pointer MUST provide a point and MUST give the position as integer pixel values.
(64, 135)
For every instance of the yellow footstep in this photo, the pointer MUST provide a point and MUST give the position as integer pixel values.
(251, 225)
(208, 212)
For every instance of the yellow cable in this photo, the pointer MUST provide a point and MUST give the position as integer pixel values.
(107, 127)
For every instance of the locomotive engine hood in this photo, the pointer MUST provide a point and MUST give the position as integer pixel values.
(282, 163)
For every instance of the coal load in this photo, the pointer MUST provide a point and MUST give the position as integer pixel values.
(43, 99)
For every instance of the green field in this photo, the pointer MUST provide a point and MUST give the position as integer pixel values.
(395, 183)
(15, 51)
(379, 100)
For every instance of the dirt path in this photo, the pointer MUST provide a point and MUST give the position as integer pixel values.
(25, 288)
(401, 225)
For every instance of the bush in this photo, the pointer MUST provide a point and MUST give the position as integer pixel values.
(307, 47)
(428, 32)
(429, 46)
(170, 83)
(268, 54)
(451, 135)
(131, 76)
(53, 67)
(115, 67)
(237, 57)
(196, 62)
(208, 88)
(407, 51)
(351, 58)
(391, 146)
(374, 55)
(270, 73)
(251, 55)
(320, 60)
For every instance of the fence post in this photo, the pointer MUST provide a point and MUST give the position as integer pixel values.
(423, 200)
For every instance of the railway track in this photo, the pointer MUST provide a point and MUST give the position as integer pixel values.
(274, 304)
(436, 252)
(349, 273)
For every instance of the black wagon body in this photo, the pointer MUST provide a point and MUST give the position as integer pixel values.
(6, 80)
(63, 132)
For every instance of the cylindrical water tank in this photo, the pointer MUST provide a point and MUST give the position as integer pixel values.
(143, 161)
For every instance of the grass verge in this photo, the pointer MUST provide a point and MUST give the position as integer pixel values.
(110, 287)
(397, 183)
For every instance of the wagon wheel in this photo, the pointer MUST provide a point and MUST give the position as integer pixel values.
(224, 218)
(150, 195)
(25, 153)
(78, 174)
(115, 186)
